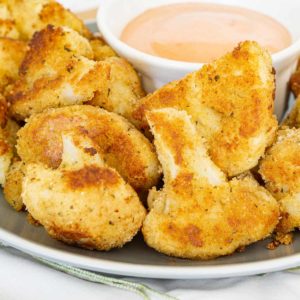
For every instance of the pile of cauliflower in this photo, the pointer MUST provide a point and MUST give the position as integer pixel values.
(200, 166)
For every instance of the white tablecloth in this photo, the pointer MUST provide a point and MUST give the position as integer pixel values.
(22, 278)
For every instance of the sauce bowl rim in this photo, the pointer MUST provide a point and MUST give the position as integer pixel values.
(134, 53)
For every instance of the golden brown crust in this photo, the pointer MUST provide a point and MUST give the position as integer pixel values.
(13, 185)
(293, 119)
(230, 101)
(32, 221)
(8, 26)
(31, 16)
(124, 88)
(48, 43)
(90, 176)
(101, 50)
(280, 170)
(58, 70)
(295, 81)
(280, 167)
(280, 239)
(55, 14)
(3, 111)
(122, 145)
(8, 29)
(199, 214)
(12, 53)
(8, 136)
(97, 210)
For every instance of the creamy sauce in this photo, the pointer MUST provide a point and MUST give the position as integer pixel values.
(199, 32)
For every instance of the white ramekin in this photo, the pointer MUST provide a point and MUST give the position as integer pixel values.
(114, 15)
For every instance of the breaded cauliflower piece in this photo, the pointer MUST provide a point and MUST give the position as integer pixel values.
(295, 81)
(7, 143)
(82, 202)
(231, 103)
(8, 136)
(280, 169)
(12, 53)
(58, 70)
(3, 111)
(7, 24)
(13, 184)
(293, 119)
(123, 90)
(199, 214)
(123, 147)
(101, 50)
(33, 15)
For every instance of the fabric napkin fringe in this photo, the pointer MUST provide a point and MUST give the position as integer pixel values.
(143, 290)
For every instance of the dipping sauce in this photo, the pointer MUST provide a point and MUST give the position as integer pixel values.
(202, 32)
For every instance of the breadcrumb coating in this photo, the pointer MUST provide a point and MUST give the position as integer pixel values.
(8, 136)
(101, 50)
(199, 214)
(59, 70)
(280, 169)
(13, 184)
(230, 101)
(295, 81)
(8, 26)
(82, 202)
(123, 147)
(12, 53)
(123, 90)
(31, 16)
(293, 119)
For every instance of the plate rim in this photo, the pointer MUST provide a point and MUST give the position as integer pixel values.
(148, 271)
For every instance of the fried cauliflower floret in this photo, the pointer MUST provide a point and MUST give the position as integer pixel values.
(58, 70)
(199, 214)
(8, 135)
(8, 27)
(101, 50)
(13, 184)
(82, 202)
(123, 147)
(33, 15)
(123, 90)
(12, 53)
(231, 103)
(124, 82)
(3, 111)
(295, 81)
(280, 170)
(293, 119)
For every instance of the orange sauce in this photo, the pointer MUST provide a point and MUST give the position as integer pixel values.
(202, 32)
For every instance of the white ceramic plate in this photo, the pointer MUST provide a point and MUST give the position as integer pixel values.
(136, 259)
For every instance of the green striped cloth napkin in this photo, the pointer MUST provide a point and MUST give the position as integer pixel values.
(143, 290)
